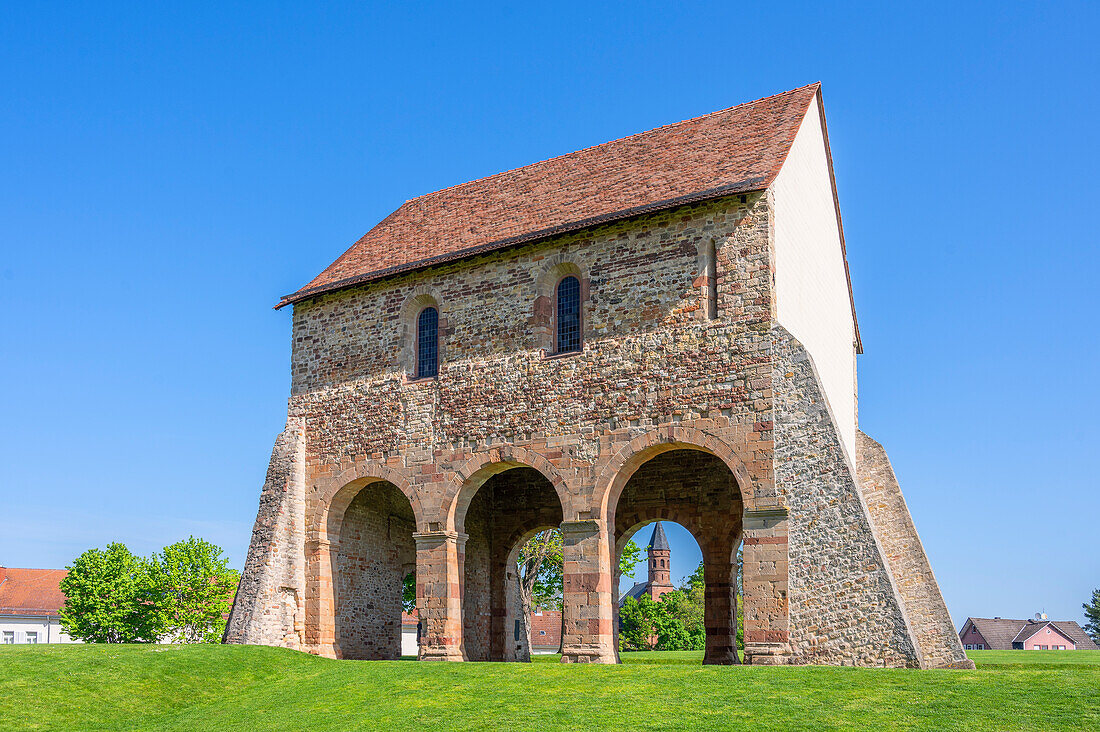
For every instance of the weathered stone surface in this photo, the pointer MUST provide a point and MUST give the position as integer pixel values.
(844, 607)
(917, 588)
(268, 609)
(685, 404)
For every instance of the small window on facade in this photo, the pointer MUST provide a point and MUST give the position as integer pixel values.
(427, 343)
(9, 637)
(712, 281)
(569, 315)
(981, 646)
(32, 637)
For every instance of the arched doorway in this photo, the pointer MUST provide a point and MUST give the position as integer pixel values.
(698, 491)
(372, 554)
(507, 509)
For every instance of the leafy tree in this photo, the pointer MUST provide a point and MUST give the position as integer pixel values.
(408, 593)
(687, 606)
(541, 567)
(541, 573)
(628, 560)
(649, 625)
(194, 587)
(1092, 615)
(108, 598)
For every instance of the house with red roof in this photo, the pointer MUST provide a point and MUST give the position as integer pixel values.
(1038, 634)
(30, 603)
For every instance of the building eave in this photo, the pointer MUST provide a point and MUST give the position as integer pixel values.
(749, 185)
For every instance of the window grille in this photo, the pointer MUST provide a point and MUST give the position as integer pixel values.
(427, 343)
(569, 315)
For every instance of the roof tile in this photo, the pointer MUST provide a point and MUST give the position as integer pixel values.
(731, 151)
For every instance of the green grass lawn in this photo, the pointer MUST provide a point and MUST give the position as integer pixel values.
(254, 688)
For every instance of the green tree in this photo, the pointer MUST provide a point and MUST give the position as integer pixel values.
(408, 593)
(628, 560)
(541, 572)
(687, 606)
(108, 598)
(649, 625)
(1092, 615)
(193, 587)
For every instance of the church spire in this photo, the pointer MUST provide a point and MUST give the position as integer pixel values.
(658, 541)
(660, 570)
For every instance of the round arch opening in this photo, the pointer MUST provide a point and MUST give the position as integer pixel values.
(696, 490)
(510, 507)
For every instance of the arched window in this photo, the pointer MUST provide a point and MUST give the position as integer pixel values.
(427, 343)
(569, 315)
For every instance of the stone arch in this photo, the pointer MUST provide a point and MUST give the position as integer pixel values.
(326, 550)
(420, 297)
(697, 490)
(478, 469)
(617, 472)
(335, 494)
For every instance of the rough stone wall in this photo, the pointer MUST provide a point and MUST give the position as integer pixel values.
(268, 608)
(649, 356)
(376, 552)
(655, 375)
(844, 608)
(651, 363)
(920, 593)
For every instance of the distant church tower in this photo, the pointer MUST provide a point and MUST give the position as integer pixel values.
(660, 581)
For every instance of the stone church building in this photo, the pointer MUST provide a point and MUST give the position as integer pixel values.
(658, 569)
(659, 327)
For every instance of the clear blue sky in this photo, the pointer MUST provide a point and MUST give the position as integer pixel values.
(167, 173)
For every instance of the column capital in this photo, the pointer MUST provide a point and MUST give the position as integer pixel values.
(580, 529)
(433, 539)
(765, 517)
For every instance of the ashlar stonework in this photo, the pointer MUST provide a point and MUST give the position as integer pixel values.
(692, 399)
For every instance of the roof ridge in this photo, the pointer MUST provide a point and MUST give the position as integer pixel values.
(611, 142)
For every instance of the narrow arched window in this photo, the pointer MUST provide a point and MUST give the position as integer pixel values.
(569, 315)
(712, 281)
(427, 343)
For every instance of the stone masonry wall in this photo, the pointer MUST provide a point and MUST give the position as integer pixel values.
(655, 374)
(268, 608)
(651, 361)
(927, 612)
(844, 609)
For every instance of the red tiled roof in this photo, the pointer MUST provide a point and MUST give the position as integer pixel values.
(31, 591)
(731, 151)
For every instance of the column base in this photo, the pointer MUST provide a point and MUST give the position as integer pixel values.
(587, 655)
(440, 654)
(767, 654)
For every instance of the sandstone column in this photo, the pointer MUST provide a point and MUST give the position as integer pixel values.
(321, 559)
(439, 560)
(765, 580)
(588, 619)
(720, 605)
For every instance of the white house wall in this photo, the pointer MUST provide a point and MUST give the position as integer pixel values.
(812, 300)
(48, 629)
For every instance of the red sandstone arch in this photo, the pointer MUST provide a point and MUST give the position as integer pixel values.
(337, 493)
(618, 471)
(478, 469)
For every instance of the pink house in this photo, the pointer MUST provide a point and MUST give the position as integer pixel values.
(1004, 634)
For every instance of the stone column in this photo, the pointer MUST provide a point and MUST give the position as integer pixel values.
(322, 556)
(720, 606)
(765, 580)
(587, 613)
(439, 559)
